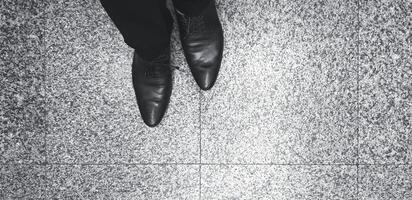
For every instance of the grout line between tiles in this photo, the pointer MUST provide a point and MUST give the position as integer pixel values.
(200, 181)
(45, 186)
(302, 164)
(358, 99)
(200, 126)
(200, 144)
(357, 181)
(357, 86)
(207, 164)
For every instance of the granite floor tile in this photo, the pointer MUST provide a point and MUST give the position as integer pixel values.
(385, 82)
(278, 182)
(380, 182)
(123, 182)
(20, 181)
(287, 87)
(81, 41)
(93, 116)
(22, 72)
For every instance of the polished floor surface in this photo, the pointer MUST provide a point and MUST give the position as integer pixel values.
(313, 102)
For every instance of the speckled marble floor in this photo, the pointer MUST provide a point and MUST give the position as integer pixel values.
(313, 102)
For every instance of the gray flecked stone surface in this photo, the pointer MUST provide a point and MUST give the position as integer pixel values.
(123, 182)
(313, 102)
(22, 181)
(279, 182)
(22, 99)
(385, 81)
(93, 113)
(287, 90)
(385, 182)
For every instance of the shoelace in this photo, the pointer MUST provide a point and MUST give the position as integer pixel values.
(155, 71)
(156, 67)
(192, 24)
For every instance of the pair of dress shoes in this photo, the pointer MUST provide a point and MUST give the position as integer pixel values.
(202, 41)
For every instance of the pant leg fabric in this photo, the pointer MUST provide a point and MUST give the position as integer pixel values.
(190, 7)
(145, 25)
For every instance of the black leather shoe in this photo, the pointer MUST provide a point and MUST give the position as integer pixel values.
(152, 82)
(202, 41)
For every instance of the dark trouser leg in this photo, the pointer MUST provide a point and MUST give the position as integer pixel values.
(190, 7)
(145, 24)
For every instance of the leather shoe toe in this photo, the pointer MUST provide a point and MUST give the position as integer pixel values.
(202, 42)
(152, 83)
